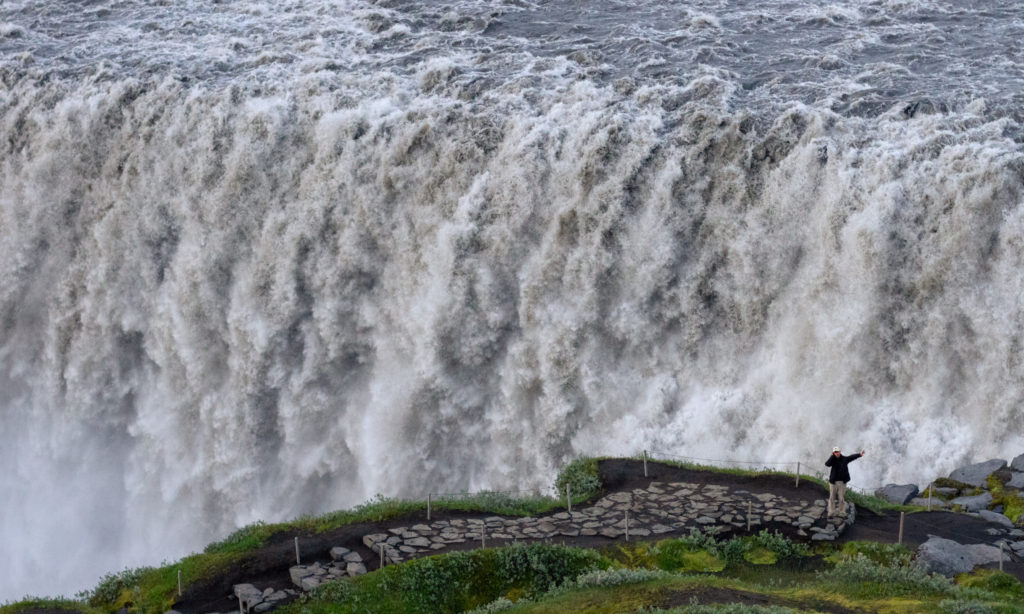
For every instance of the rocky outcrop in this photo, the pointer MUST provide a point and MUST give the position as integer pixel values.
(975, 474)
(947, 557)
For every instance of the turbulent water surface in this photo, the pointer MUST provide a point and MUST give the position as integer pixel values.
(259, 259)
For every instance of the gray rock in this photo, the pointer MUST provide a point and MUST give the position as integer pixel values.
(937, 504)
(297, 573)
(897, 493)
(1016, 480)
(947, 557)
(997, 518)
(338, 553)
(973, 504)
(310, 582)
(249, 594)
(945, 491)
(355, 569)
(975, 474)
(1017, 464)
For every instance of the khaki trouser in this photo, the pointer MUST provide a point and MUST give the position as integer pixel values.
(836, 489)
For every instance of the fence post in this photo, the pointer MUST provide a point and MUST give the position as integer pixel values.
(798, 474)
(428, 506)
(241, 610)
(899, 539)
(179, 583)
(645, 463)
(297, 561)
(568, 498)
(382, 555)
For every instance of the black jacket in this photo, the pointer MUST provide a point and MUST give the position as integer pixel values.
(840, 472)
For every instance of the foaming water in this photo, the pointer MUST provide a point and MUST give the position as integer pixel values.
(265, 259)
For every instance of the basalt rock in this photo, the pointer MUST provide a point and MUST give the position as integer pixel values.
(897, 493)
(975, 474)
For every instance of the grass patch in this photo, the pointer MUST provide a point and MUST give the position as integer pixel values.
(876, 552)
(27, 604)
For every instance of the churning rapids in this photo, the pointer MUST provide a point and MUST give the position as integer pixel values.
(266, 258)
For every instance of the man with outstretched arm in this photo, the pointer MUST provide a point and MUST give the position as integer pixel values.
(837, 479)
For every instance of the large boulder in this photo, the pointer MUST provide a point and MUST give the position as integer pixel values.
(1016, 480)
(973, 504)
(975, 474)
(947, 557)
(897, 493)
(1017, 464)
(996, 517)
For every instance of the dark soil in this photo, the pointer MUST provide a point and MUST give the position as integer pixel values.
(269, 566)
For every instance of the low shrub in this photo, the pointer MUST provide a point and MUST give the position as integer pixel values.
(879, 553)
(993, 581)
(453, 582)
(859, 575)
(581, 476)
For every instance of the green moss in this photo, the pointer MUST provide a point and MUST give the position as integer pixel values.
(680, 555)
(760, 556)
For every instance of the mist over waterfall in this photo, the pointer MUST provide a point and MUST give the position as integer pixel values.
(263, 259)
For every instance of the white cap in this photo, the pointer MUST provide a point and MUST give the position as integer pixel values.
(835, 449)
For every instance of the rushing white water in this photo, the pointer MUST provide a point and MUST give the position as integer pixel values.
(261, 259)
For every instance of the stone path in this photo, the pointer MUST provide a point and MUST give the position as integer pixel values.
(661, 509)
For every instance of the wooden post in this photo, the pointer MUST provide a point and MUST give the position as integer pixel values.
(568, 498)
(899, 539)
(382, 555)
(798, 474)
(428, 506)
(297, 560)
(241, 610)
(645, 463)
(179, 583)
(750, 510)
